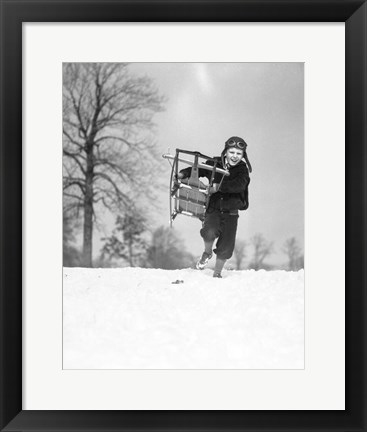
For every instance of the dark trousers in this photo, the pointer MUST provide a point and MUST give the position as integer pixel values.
(223, 226)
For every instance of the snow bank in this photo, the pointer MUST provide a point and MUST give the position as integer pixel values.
(134, 318)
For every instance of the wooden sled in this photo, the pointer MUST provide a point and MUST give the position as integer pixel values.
(190, 196)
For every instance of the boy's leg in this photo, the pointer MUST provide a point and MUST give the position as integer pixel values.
(219, 264)
(211, 228)
(209, 232)
(226, 241)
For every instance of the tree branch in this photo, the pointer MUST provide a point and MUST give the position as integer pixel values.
(75, 158)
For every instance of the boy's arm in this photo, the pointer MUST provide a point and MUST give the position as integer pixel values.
(186, 172)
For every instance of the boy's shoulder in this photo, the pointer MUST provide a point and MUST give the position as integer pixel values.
(241, 166)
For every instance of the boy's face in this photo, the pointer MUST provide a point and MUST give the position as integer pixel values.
(234, 156)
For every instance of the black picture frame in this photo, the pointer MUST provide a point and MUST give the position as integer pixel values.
(13, 14)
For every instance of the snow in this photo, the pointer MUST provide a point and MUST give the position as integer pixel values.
(135, 318)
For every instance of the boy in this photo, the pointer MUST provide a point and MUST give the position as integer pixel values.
(226, 200)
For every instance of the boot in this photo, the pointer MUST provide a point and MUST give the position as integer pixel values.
(203, 261)
(205, 257)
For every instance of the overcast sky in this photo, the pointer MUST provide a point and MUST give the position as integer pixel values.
(260, 102)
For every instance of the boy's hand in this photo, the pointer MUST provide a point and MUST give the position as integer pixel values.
(177, 177)
(176, 183)
(214, 188)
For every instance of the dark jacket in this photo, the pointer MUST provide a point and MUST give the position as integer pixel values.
(233, 192)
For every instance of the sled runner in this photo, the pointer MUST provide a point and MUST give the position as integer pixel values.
(190, 196)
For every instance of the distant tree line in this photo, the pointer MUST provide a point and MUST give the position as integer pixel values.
(132, 244)
(261, 249)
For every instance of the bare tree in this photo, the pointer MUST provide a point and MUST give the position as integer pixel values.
(293, 252)
(167, 250)
(262, 249)
(126, 241)
(108, 153)
(239, 253)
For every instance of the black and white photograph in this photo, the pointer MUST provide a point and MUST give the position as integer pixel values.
(183, 216)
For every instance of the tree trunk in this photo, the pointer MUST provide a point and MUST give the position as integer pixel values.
(88, 210)
(88, 232)
(131, 252)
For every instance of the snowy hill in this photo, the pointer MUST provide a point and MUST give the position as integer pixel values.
(134, 318)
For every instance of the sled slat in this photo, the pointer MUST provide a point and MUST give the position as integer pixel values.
(184, 186)
(196, 203)
(200, 165)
